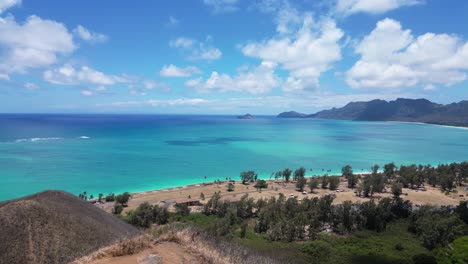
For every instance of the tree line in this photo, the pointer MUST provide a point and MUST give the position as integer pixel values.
(292, 220)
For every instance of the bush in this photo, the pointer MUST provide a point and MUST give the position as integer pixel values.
(118, 208)
(123, 198)
(261, 184)
(146, 214)
(142, 216)
(182, 209)
(230, 187)
(110, 197)
(334, 182)
(320, 251)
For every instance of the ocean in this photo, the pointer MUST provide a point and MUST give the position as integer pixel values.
(118, 153)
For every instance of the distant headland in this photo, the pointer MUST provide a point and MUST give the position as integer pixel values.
(407, 110)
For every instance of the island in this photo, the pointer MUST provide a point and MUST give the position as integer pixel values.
(401, 109)
(292, 114)
(246, 116)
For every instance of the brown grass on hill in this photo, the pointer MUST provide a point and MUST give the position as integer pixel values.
(209, 249)
(123, 247)
(56, 227)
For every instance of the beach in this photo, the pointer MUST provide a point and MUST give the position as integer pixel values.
(168, 197)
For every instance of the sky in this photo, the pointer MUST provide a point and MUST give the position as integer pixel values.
(228, 56)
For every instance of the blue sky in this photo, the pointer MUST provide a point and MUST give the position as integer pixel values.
(228, 56)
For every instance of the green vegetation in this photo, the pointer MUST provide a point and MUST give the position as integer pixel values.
(333, 182)
(120, 201)
(313, 184)
(261, 184)
(315, 230)
(248, 176)
(230, 187)
(145, 215)
(458, 254)
(301, 183)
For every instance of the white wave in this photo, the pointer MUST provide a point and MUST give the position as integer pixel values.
(37, 139)
(84, 137)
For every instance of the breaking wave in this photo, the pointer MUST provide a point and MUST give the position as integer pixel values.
(37, 139)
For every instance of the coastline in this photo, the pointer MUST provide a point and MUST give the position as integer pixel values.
(167, 197)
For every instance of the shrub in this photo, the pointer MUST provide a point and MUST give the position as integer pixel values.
(261, 184)
(118, 208)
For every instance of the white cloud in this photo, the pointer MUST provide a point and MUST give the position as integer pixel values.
(393, 58)
(197, 50)
(4, 77)
(182, 43)
(31, 86)
(35, 43)
(430, 87)
(222, 6)
(150, 84)
(172, 22)
(349, 7)
(156, 103)
(258, 80)
(174, 71)
(5, 4)
(89, 36)
(309, 103)
(306, 53)
(287, 18)
(68, 75)
(86, 93)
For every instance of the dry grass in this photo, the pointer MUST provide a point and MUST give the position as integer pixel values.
(208, 248)
(56, 227)
(122, 248)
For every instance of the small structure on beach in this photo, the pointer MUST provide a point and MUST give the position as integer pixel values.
(189, 202)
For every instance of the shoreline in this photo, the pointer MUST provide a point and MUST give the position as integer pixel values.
(168, 197)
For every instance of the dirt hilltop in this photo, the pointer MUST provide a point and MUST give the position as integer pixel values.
(55, 227)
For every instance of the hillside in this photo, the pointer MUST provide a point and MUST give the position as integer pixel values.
(55, 227)
(410, 110)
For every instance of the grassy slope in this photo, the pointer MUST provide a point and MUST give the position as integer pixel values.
(55, 227)
(361, 247)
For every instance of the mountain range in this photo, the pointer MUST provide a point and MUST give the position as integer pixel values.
(408, 110)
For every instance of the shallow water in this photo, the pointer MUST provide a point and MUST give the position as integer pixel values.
(116, 153)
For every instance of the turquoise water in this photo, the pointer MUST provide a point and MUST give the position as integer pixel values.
(117, 153)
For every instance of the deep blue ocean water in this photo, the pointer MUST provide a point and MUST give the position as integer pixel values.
(117, 153)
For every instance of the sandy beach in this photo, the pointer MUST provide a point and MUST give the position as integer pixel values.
(168, 197)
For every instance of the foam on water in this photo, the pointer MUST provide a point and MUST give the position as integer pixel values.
(37, 139)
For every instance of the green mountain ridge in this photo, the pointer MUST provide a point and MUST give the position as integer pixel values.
(408, 110)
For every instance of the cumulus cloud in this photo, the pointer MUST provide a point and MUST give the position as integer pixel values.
(5, 4)
(392, 57)
(174, 71)
(222, 6)
(155, 103)
(349, 7)
(258, 80)
(24, 46)
(306, 53)
(142, 88)
(69, 75)
(89, 36)
(197, 50)
(261, 104)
